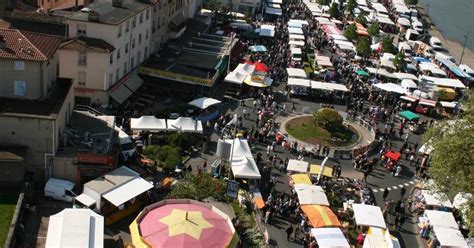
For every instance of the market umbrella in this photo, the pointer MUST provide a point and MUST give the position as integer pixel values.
(393, 155)
(182, 223)
(301, 178)
(362, 73)
(204, 102)
(409, 115)
(320, 216)
(316, 169)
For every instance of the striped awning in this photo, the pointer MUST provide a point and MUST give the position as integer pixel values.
(320, 216)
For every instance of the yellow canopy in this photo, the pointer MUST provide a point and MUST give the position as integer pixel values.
(315, 169)
(301, 178)
(137, 240)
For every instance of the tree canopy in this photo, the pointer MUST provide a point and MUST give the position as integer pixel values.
(411, 2)
(351, 32)
(324, 2)
(452, 159)
(399, 61)
(361, 18)
(363, 47)
(328, 119)
(374, 29)
(334, 11)
(387, 45)
(351, 4)
(199, 187)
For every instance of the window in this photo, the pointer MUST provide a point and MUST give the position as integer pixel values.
(133, 43)
(139, 57)
(118, 54)
(111, 58)
(127, 26)
(111, 78)
(82, 58)
(146, 52)
(146, 34)
(132, 63)
(139, 39)
(81, 78)
(141, 18)
(81, 29)
(125, 68)
(119, 31)
(153, 27)
(126, 47)
(147, 14)
(117, 74)
(19, 65)
(19, 88)
(134, 22)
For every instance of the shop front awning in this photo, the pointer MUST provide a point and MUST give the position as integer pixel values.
(86, 200)
(128, 191)
(133, 81)
(120, 93)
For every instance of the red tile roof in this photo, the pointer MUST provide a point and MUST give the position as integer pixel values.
(28, 46)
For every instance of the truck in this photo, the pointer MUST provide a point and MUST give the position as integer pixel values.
(422, 49)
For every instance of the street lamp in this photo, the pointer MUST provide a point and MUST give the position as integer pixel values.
(464, 47)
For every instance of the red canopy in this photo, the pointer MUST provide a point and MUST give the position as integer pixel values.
(259, 66)
(393, 155)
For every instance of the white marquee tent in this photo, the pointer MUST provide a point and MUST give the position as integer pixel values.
(148, 123)
(185, 124)
(297, 165)
(75, 228)
(330, 238)
(204, 102)
(391, 87)
(295, 30)
(242, 163)
(438, 199)
(296, 72)
(450, 237)
(311, 195)
(441, 218)
(368, 215)
(268, 30)
(299, 82)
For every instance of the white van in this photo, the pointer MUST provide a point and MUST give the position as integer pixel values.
(439, 56)
(418, 26)
(296, 54)
(127, 149)
(435, 43)
(59, 189)
(405, 48)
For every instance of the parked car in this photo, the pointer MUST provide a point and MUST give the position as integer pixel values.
(435, 43)
(59, 189)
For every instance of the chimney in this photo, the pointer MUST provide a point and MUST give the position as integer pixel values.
(3, 43)
(94, 16)
(117, 3)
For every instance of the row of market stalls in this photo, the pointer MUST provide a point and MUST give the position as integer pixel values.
(301, 86)
(326, 226)
(153, 124)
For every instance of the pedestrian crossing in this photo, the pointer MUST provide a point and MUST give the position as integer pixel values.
(395, 187)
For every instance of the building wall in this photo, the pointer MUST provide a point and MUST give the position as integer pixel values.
(50, 74)
(64, 168)
(51, 4)
(30, 75)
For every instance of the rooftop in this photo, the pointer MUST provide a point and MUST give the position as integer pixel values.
(38, 17)
(111, 180)
(107, 13)
(28, 45)
(45, 107)
(87, 44)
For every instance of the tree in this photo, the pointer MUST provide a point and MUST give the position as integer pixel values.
(387, 45)
(169, 156)
(199, 187)
(334, 11)
(399, 61)
(361, 18)
(374, 29)
(411, 2)
(351, 32)
(328, 119)
(351, 4)
(452, 159)
(363, 47)
(324, 2)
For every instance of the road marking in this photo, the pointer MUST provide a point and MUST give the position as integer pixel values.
(395, 187)
(389, 188)
(406, 184)
(382, 189)
(375, 191)
(411, 182)
(400, 185)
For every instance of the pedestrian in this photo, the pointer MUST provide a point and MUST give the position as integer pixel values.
(296, 233)
(402, 192)
(366, 174)
(398, 170)
(385, 193)
(289, 231)
(267, 216)
(293, 109)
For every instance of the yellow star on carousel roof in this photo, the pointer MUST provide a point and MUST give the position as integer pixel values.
(185, 222)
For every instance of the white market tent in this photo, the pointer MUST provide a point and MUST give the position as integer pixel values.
(75, 228)
(368, 215)
(235, 77)
(404, 22)
(296, 73)
(258, 48)
(323, 61)
(441, 218)
(344, 44)
(311, 195)
(328, 86)
(295, 31)
(295, 25)
(148, 123)
(408, 84)
(185, 124)
(297, 165)
(450, 237)
(391, 87)
(242, 163)
(445, 104)
(431, 67)
(274, 5)
(273, 11)
(444, 82)
(127, 191)
(296, 37)
(297, 43)
(302, 22)
(299, 82)
(245, 68)
(267, 30)
(275, 1)
(436, 199)
(461, 200)
(330, 237)
(338, 37)
(403, 75)
(324, 21)
(384, 20)
(204, 102)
